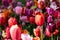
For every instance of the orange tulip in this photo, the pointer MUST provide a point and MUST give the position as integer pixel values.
(7, 12)
(39, 19)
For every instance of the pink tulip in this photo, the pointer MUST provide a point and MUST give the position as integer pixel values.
(12, 21)
(8, 32)
(18, 10)
(15, 32)
(49, 10)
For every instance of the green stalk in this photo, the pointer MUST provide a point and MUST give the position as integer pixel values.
(41, 31)
(52, 37)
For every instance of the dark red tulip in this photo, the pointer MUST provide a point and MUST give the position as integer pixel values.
(55, 14)
(51, 27)
(9, 1)
(58, 24)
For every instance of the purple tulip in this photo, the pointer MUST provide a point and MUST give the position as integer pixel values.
(49, 10)
(28, 0)
(14, 4)
(19, 3)
(51, 27)
(24, 18)
(5, 3)
(28, 12)
(49, 19)
(29, 4)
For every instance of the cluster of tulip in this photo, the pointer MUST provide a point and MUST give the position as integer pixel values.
(46, 19)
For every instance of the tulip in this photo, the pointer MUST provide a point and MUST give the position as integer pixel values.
(29, 4)
(47, 33)
(3, 34)
(55, 14)
(26, 36)
(39, 19)
(36, 38)
(41, 4)
(24, 18)
(37, 32)
(5, 3)
(14, 4)
(32, 19)
(53, 6)
(7, 12)
(51, 27)
(35, 2)
(49, 10)
(18, 10)
(58, 24)
(49, 19)
(28, 12)
(15, 32)
(19, 4)
(7, 32)
(12, 21)
(56, 32)
(9, 1)
(2, 19)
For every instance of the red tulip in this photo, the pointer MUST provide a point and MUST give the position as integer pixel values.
(2, 19)
(15, 32)
(58, 24)
(9, 1)
(8, 32)
(41, 4)
(32, 20)
(55, 14)
(56, 32)
(39, 19)
(37, 31)
(36, 38)
(47, 33)
(12, 21)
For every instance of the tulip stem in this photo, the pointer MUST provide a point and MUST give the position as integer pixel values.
(52, 37)
(57, 37)
(41, 31)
